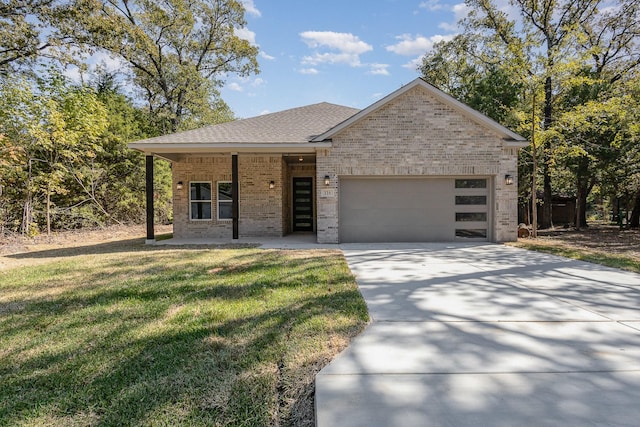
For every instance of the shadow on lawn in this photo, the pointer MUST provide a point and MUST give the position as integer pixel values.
(127, 245)
(157, 349)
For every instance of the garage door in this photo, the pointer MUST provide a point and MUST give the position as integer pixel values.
(414, 209)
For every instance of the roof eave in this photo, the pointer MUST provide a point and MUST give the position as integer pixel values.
(516, 143)
(189, 148)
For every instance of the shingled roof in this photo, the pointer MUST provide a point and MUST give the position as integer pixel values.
(296, 125)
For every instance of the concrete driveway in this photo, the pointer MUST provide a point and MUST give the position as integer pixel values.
(486, 335)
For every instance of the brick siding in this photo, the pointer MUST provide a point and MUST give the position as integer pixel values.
(261, 208)
(416, 135)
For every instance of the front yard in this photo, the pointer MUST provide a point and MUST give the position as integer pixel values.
(601, 244)
(123, 334)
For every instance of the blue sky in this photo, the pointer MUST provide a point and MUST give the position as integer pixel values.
(348, 52)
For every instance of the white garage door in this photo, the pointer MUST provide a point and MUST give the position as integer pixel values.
(414, 209)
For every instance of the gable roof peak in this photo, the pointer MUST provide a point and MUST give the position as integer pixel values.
(511, 138)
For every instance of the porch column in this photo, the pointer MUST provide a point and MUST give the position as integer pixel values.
(234, 194)
(149, 191)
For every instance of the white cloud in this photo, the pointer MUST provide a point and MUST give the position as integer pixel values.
(348, 47)
(431, 5)
(461, 10)
(235, 87)
(258, 82)
(310, 71)
(266, 56)
(245, 34)
(447, 26)
(414, 64)
(251, 8)
(263, 112)
(410, 45)
(379, 69)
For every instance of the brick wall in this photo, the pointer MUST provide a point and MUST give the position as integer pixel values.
(261, 209)
(415, 134)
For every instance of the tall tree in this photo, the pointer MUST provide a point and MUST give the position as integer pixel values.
(541, 40)
(28, 31)
(569, 52)
(50, 134)
(177, 51)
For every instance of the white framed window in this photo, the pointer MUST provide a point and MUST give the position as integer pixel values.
(225, 199)
(200, 200)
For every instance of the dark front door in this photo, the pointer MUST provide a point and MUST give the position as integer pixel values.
(302, 204)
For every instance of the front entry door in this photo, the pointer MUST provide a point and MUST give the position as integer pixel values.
(302, 204)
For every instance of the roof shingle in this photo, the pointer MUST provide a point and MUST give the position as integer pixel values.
(296, 125)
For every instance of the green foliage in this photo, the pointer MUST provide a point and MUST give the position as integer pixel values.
(580, 60)
(64, 159)
(176, 51)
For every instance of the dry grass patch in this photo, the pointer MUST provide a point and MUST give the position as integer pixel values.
(600, 244)
(125, 334)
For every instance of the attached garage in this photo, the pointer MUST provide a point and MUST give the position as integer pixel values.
(414, 209)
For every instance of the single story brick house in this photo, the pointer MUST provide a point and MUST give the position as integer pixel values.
(417, 165)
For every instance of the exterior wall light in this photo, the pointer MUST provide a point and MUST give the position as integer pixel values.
(508, 179)
(179, 185)
(272, 185)
(327, 180)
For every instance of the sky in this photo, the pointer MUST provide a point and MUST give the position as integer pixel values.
(347, 52)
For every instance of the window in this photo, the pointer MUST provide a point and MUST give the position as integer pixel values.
(200, 200)
(471, 216)
(471, 183)
(471, 200)
(225, 209)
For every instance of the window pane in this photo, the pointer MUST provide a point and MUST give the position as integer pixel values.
(200, 191)
(225, 210)
(472, 233)
(471, 200)
(224, 191)
(471, 183)
(471, 216)
(200, 210)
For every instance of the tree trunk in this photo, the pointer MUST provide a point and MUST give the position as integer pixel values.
(583, 187)
(547, 219)
(634, 222)
(48, 212)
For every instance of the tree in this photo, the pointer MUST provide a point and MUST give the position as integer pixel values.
(177, 51)
(50, 135)
(118, 177)
(28, 31)
(570, 51)
(542, 44)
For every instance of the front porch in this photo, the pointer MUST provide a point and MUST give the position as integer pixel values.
(241, 196)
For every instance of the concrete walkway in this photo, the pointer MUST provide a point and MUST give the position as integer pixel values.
(486, 335)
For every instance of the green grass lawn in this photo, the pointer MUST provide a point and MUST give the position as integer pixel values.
(621, 261)
(135, 335)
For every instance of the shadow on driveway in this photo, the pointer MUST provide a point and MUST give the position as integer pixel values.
(468, 335)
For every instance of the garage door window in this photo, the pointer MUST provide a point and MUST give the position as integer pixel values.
(471, 183)
(471, 200)
(471, 208)
(471, 216)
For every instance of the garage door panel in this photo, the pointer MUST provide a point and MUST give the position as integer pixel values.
(410, 210)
